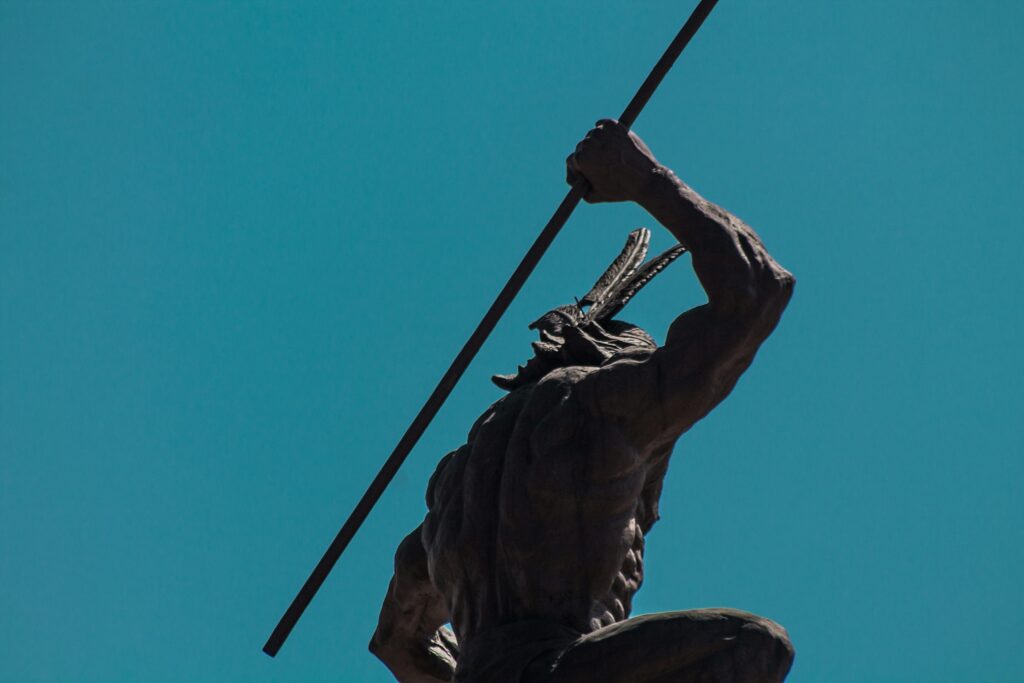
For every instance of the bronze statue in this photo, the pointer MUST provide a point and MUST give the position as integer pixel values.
(532, 546)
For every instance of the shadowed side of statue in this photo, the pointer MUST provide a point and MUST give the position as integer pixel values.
(532, 546)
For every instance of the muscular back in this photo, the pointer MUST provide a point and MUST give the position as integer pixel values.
(542, 514)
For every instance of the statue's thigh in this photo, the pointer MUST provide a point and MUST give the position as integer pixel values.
(720, 645)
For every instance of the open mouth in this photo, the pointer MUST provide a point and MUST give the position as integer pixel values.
(534, 369)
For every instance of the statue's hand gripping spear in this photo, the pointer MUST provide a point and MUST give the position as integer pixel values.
(476, 340)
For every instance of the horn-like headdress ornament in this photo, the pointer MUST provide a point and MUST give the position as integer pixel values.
(623, 279)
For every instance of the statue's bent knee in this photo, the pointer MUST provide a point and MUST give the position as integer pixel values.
(765, 646)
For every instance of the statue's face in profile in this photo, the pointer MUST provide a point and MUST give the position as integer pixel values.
(585, 333)
(569, 338)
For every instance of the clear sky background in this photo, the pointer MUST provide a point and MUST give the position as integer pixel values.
(240, 242)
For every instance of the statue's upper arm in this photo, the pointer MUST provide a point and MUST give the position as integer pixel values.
(658, 398)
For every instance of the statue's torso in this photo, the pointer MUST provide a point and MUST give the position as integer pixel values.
(541, 514)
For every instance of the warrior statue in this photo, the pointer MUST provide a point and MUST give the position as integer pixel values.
(533, 543)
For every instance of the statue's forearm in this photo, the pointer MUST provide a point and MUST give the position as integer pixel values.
(415, 660)
(729, 258)
(409, 638)
(409, 643)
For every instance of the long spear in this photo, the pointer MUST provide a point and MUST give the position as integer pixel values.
(476, 340)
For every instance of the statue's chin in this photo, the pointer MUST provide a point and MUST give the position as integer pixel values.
(506, 382)
(534, 369)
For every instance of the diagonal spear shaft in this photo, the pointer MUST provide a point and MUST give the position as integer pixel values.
(476, 340)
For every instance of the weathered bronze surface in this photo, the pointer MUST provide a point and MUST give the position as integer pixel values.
(532, 546)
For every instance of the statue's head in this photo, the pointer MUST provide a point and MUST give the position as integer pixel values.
(584, 333)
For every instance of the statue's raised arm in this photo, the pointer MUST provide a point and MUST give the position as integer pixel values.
(707, 348)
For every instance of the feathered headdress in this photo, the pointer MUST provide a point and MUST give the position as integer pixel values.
(623, 279)
(570, 336)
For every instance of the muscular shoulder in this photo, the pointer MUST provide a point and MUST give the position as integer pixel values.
(481, 455)
(657, 398)
(620, 391)
(553, 416)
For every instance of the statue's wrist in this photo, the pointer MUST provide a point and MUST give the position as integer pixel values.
(660, 186)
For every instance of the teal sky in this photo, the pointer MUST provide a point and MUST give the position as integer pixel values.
(240, 242)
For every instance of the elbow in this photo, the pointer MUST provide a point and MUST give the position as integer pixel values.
(771, 287)
(783, 283)
(775, 291)
(775, 283)
(766, 295)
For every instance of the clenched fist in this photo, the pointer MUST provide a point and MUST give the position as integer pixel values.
(615, 162)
